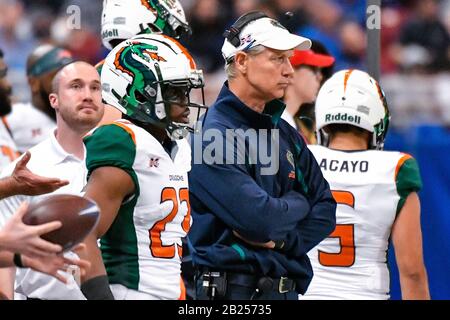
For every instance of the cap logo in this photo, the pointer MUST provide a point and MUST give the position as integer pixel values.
(246, 39)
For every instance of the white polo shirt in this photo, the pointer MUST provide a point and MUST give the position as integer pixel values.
(48, 159)
(28, 125)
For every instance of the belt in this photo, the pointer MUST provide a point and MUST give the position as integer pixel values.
(265, 284)
(262, 283)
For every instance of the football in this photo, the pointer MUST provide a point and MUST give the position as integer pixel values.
(77, 214)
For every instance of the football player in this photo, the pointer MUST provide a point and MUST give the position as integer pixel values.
(376, 192)
(31, 123)
(137, 169)
(8, 147)
(22, 180)
(122, 20)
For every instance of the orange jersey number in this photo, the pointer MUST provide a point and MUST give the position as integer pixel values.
(346, 235)
(157, 248)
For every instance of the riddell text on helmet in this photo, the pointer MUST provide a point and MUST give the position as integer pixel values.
(342, 117)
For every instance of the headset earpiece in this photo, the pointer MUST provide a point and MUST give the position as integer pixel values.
(232, 34)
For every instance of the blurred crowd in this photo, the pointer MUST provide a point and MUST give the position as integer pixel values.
(415, 41)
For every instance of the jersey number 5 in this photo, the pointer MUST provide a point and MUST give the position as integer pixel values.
(157, 248)
(345, 234)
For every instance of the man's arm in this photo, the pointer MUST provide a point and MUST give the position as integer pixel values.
(110, 155)
(23, 181)
(407, 240)
(233, 195)
(107, 186)
(321, 220)
(50, 265)
(267, 245)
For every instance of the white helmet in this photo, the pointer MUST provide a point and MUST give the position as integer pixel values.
(144, 75)
(123, 19)
(355, 98)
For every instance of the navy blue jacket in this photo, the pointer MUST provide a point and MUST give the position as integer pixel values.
(294, 205)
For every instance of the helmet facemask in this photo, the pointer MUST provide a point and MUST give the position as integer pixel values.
(170, 20)
(178, 92)
(380, 130)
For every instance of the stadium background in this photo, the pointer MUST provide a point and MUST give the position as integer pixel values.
(415, 73)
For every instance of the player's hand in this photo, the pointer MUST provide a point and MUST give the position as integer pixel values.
(20, 238)
(52, 265)
(267, 245)
(27, 183)
(80, 250)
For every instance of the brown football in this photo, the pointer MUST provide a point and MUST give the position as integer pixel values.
(77, 214)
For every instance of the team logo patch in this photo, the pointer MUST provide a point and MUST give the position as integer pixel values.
(291, 175)
(290, 158)
(36, 132)
(246, 39)
(126, 62)
(153, 163)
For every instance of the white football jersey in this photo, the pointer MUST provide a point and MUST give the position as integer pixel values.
(28, 125)
(370, 188)
(8, 152)
(142, 250)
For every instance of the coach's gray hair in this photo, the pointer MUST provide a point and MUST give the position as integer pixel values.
(230, 68)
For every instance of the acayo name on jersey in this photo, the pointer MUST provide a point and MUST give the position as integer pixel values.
(344, 166)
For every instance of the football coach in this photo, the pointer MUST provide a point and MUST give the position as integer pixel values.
(252, 225)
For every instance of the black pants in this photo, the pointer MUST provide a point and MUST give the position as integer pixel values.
(239, 287)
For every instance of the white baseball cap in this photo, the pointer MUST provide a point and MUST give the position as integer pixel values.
(267, 32)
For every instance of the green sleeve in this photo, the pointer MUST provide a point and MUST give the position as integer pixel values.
(111, 146)
(407, 180)
(99, 67)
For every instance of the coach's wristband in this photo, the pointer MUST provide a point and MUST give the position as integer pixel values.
(97, 289)
(18, 260)
(279, 244)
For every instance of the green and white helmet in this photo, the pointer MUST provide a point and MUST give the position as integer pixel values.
(144, 75)
(123, 19)
(352, 97)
